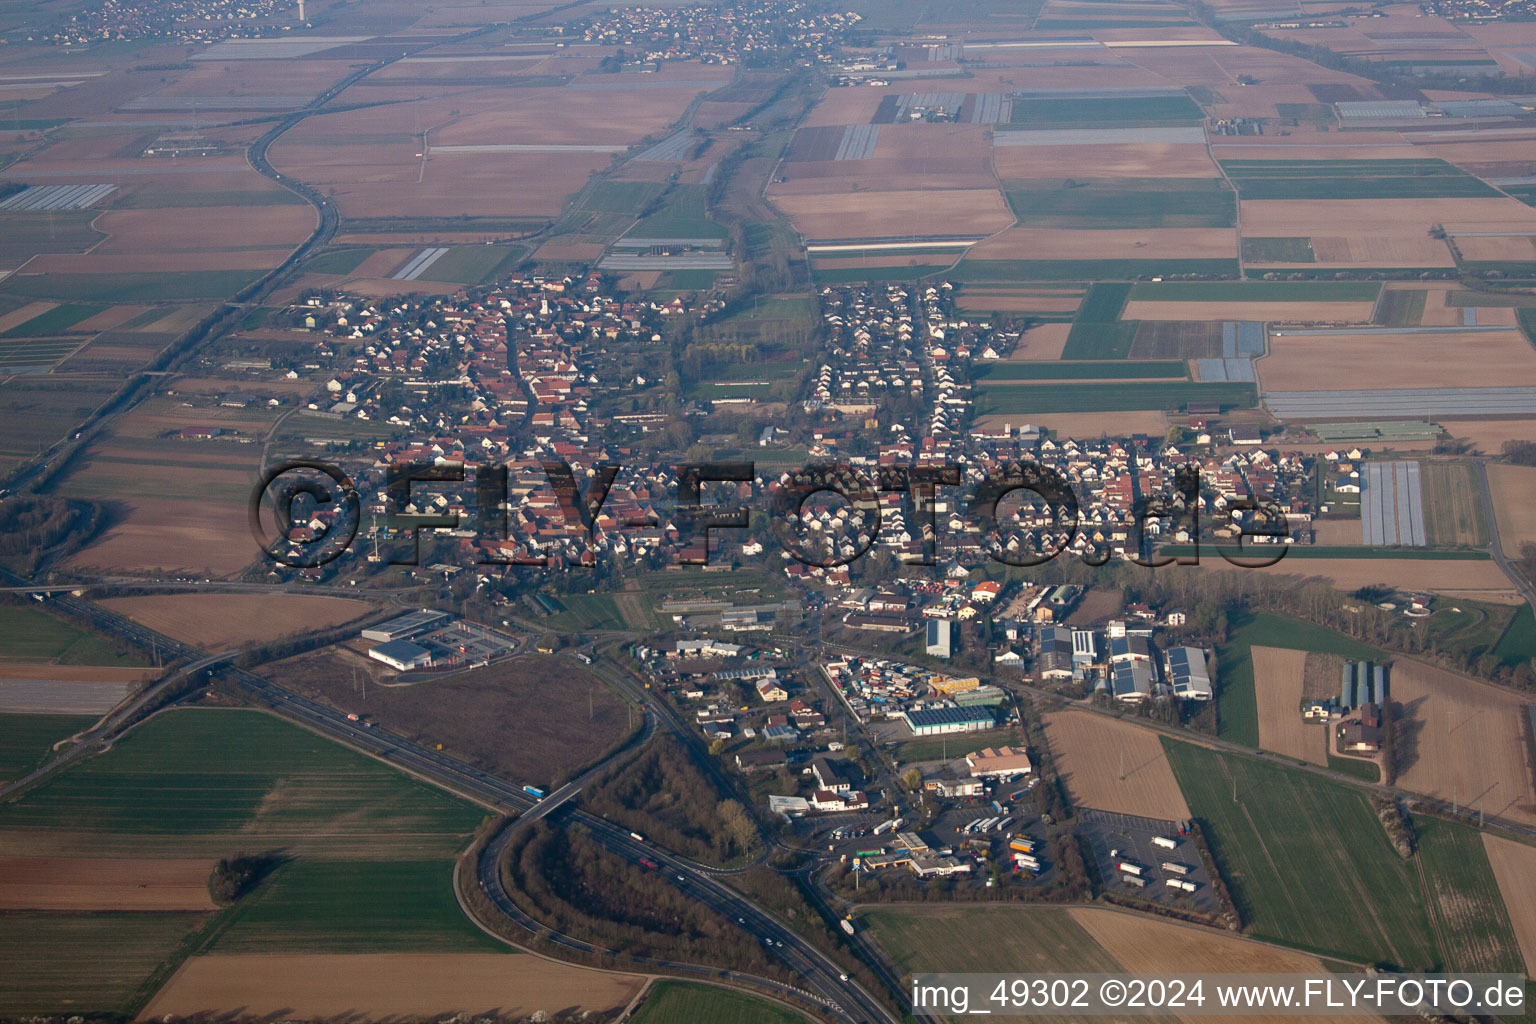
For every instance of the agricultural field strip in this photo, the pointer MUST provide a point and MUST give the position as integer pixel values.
(57, 197)
(1406, 403)
(529, 147)
(61, 697)
(420, 262)
(1392, 505)
(1317, 332)
(673, 147)
(858, 142)
(1097, 136)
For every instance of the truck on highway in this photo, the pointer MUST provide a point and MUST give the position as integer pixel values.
(352, 716)
(534, 791)
(637, 837)
(647, 864)
(847, 926)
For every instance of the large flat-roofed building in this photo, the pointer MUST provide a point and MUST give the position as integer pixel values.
(1131, 681)
(1129, 648)
(1187, 673)
(401, 654)
(940, 638)
(951, 686)
(406, 626)
(940, 721)
(999, 761)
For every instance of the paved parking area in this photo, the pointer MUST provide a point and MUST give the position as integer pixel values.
(1132, 837)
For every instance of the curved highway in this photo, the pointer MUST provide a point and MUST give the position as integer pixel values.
(844, 999)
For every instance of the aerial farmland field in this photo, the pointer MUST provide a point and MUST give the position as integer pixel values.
(1310, 867)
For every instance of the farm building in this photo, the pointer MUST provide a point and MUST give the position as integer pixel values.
(1131, 681)
(401, 654)
(1362, 683)
(942, 721)
(999, 761)
(1187, 673)
(1359, 737)
(407, 626)
(1315, 709)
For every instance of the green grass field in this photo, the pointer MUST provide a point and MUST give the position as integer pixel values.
(997, 939)
(1109, 112)
(672, 1002)
(1365, 771)
(604, 611)
(339, 262)
(204, 782)
(473, 264)
(1102, 303)
(1469, 914)
(845, 275)
(27, 633)
(1115, 397)
(1256, 291)
(25, 740)
(1123, 369)
(1518, 643)
(96, 962)
(55, 321)
(1352, 179)
(978, 271)
(1307, 861)
(621, 196)
(350, 906)
(1125, 203)
(36, 351)
(684, 213)
(1239, 704)
(1278, 250)
(185, 284)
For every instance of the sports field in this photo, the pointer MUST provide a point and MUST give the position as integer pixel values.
(1310, 867)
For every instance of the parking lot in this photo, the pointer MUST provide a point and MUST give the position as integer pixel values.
(464, 644)
(1117, 838)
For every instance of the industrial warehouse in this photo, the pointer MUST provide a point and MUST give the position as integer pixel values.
(431, 639)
